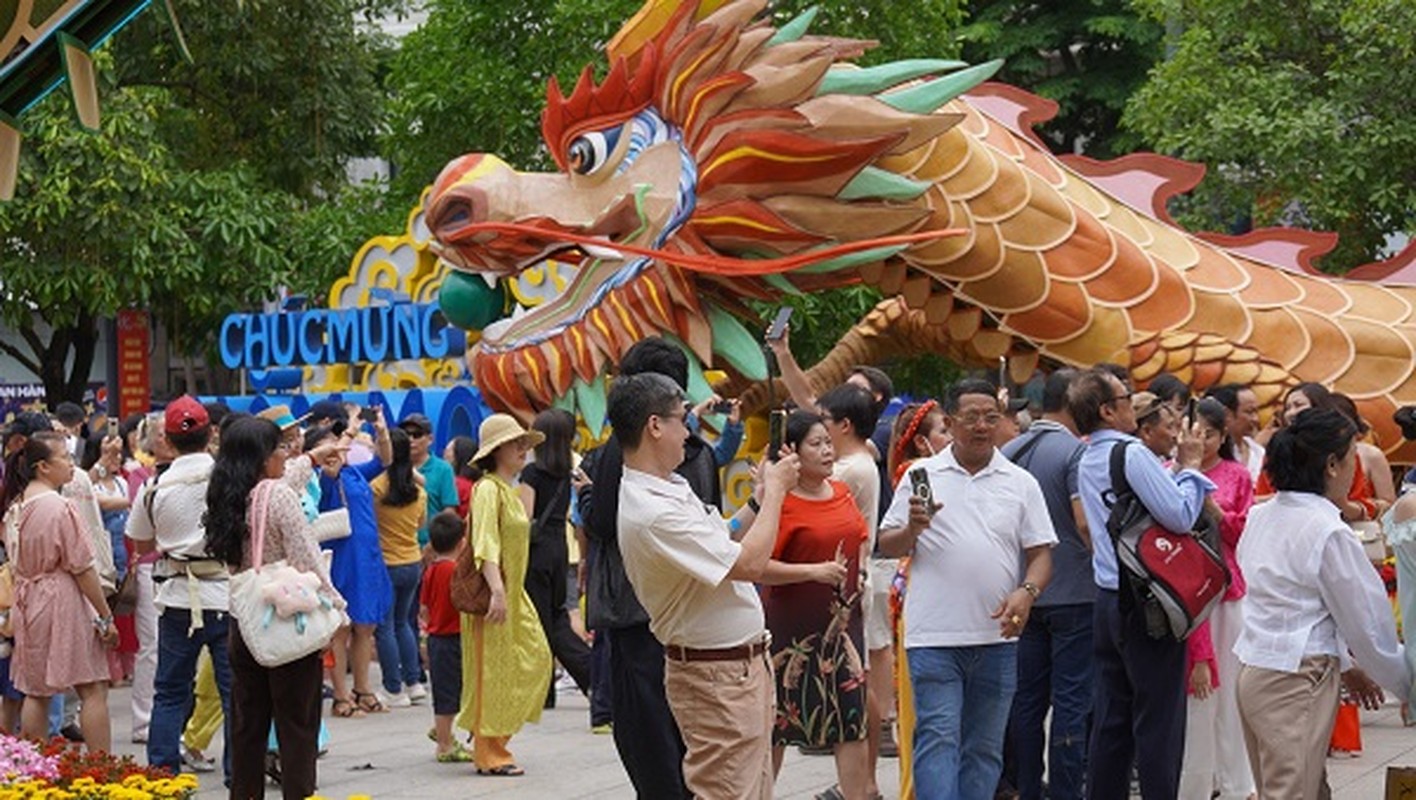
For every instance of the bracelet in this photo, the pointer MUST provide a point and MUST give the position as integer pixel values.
(734, 525)
(102, 624)
(1031, 588)
(754, 505)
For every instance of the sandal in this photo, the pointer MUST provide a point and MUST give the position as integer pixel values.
(504, 771)
(369, 702)
(345, 709)
(457, 755)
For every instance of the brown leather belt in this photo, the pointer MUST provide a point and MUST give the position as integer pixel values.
(740, 653)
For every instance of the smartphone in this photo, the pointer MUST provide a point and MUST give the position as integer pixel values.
(721, 407)
(778, 329)
(368, 414)
(919, 484)
(113, 427)
(776, 431)
(1190, 413)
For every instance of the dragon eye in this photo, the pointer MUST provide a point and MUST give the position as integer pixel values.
(589, 151)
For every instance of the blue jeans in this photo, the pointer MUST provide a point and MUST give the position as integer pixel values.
(172, 686)
(397, 636)
(1054, 669)
(962, 696)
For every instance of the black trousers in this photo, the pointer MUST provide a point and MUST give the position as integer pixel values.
(289, 695)
(1139, 710)
(546, 576)
(646, 735)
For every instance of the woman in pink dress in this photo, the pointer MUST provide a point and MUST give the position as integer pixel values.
(62, 622)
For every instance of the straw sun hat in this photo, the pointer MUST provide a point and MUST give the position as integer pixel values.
(500, 429)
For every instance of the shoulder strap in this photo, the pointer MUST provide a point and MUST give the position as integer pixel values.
(260, 502)
(546, 512)
(1017, 457)
(1119, 484)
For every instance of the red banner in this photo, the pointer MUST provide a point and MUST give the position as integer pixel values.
(134, 365)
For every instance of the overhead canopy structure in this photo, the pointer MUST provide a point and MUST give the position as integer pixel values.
(45, 43)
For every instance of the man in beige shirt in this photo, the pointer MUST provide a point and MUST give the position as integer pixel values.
(696, 583)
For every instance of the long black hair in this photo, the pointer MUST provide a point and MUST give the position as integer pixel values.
(1213, 413)
(553, 454)
(246, 445)
(402, 489)
(20, 465)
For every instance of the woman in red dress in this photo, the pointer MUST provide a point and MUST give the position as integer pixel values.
(812, 603)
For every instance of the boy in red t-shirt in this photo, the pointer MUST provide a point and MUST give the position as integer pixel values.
(444, 633)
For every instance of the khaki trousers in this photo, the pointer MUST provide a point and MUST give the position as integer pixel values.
(725, 711)
(1288, 717)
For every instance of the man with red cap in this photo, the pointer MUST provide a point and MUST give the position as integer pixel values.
(193, 593)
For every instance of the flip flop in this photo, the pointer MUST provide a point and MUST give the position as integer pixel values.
(457, 755)
(504, 771)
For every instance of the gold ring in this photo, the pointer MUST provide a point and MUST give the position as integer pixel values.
(1017, 620)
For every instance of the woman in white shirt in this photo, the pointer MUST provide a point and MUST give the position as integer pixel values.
(1311, 591)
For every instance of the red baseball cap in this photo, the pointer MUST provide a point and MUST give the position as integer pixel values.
(184, 415)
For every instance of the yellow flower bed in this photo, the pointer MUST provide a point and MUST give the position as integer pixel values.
(134, 787)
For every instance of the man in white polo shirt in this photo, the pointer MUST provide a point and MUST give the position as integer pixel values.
(969, 596)
(695, 582)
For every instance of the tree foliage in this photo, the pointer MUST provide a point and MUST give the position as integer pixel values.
(289, 88)
(1089, 56)
(1302, 109)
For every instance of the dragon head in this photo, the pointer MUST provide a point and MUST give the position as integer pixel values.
(721, 159)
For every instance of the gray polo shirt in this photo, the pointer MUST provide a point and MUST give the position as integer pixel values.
(1053, 462)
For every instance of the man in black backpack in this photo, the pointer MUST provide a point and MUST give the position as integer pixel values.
(646, 735)
(1139, 708)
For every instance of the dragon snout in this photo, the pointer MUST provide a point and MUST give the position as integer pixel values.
(453, 213)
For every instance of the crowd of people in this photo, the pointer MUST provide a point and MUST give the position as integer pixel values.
(937, 583)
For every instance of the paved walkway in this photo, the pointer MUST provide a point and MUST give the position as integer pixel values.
(388, 757)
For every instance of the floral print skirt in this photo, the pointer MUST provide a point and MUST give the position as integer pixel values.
(818, 657)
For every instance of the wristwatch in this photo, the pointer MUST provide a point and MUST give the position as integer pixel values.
(1031, 588)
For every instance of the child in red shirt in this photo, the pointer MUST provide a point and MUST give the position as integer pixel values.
(444, 627)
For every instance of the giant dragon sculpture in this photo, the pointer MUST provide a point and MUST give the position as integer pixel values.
(723, 159)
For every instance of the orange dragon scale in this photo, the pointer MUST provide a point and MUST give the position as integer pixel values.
(723, 159)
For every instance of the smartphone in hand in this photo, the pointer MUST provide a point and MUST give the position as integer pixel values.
(778, 328)
(776, 432)
(113, 426)
(368, 414)
(919, 484)
(721, 407)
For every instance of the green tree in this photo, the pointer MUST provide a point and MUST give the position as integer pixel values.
(1302, 109)
(1089, 56)
(290, 88)
(108, 220)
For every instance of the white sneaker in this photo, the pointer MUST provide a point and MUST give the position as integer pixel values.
(196, 761)
(417, 693)
(399, 700)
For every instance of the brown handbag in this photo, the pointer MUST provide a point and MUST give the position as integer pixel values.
(471, 594)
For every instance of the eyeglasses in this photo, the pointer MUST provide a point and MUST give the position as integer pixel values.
(973, 418)
(1118, 398)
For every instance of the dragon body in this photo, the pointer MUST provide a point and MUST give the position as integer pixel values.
(723, 159)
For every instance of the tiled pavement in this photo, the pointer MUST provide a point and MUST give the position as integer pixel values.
(388, 757)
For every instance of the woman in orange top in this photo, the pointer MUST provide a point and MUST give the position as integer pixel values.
(812, 605)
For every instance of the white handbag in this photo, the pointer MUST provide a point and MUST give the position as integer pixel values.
(330, 526)
(283, 614)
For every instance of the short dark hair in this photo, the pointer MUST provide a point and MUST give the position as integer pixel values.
(853, 404)
(1405, 418)
(216, 412)
(656, 354)
(635, 398)
(799, 424)
(1227, 394)
(1054, 389)
(963, 387)
(1297, 455)
(1168, 388)
(1088, 393)
(445, 531)
(69, 413)
(880, 383)
(193, 441)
